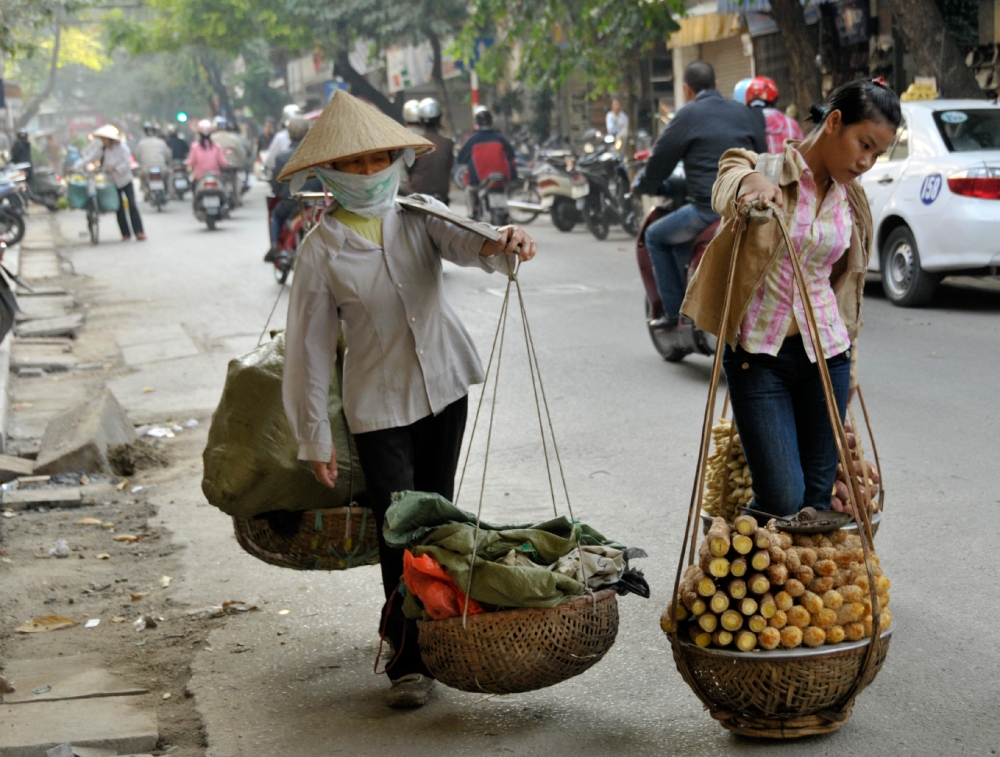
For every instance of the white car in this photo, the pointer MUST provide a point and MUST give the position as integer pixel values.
(935, 198)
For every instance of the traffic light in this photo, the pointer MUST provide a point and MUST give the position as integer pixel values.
(182, 117)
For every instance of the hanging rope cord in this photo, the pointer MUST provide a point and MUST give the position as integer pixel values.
(541, 402)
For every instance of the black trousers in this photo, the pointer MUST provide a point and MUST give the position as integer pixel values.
(420, 457)
(133, 211)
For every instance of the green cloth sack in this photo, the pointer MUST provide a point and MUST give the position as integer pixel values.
(250, 461)
(107, 197)
(427, 523)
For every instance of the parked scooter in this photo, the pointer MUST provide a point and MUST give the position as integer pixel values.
(610, 199)
(686, 339)
(11, 216)
(180, 184)
(156, 188)
(44, 187)
(211, 200)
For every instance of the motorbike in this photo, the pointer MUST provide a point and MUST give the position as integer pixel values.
(156, 188)
(44, 187)
(211, 200)
(609, 200)
(687, 339)
(311, 206)
(180, 183)
(488, 201)
(11, 215)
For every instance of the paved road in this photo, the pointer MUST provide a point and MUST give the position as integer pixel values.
(628, 426)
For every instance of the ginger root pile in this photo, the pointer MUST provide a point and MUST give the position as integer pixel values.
(729, 484)
(727, 476)
(806, 590)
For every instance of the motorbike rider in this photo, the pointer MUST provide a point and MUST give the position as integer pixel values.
(763, 92)
(227, 136)
(700, 132)
(205, 156)
(486, 152)
(177, 144)
(431, 173)
(110, 151)
(281, 140)
(297, 130)
(20, 152)
(151, 152)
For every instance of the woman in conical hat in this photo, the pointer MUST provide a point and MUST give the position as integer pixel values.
(409, 360)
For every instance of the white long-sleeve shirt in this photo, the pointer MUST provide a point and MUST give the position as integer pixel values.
(408, 355)
(115, 160)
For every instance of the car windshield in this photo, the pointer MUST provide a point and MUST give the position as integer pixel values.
(969, 130)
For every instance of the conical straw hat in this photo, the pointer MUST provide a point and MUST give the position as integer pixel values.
(108, 131)
(346, 128)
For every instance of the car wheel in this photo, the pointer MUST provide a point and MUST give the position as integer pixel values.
(904, 282)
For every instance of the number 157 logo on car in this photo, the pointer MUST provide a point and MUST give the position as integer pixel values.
(931, 188)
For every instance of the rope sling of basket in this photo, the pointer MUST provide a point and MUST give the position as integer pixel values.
(757, 212)
(541, 403)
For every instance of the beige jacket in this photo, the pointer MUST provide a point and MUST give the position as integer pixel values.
(763, 247)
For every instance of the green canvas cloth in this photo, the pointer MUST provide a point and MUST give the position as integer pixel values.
(429, 524)
(250, 461)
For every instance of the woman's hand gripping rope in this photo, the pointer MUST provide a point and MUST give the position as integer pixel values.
(513, 239)
(757, 191)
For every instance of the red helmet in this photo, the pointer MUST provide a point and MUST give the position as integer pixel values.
(762, 88)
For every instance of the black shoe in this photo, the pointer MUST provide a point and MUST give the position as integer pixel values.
(271, 255)
(664, 323)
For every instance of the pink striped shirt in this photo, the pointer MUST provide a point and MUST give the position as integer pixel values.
(820, 235)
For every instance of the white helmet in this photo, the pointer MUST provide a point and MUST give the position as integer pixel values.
(289, 112)
(205, 127)
(411, 111)
(430, 110)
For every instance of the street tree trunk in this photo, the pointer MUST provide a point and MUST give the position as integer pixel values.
(806, 85)
(42, 96)
(214, 75)
(438, 77)
(935, 51)
(362, 87)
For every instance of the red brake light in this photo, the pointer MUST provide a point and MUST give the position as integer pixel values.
(545, 183)
(211, 185)
(981, 183)
(642, 154)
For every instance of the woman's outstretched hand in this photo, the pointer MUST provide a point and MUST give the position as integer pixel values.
(512, 239)
(326, 473)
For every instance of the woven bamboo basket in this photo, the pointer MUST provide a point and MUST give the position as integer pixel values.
(788, 693)
(513, 651)
(782, 694)
(333, 539)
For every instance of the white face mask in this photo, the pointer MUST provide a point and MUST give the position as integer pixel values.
(368, 196)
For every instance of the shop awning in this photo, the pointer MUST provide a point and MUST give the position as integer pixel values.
(705, 27)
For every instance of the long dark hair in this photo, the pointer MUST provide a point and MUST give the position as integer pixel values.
(860, 100)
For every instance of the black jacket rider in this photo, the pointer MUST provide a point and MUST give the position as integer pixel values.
(699, 134)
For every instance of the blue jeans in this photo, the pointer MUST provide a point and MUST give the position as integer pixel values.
(669, 242)
(783, 423)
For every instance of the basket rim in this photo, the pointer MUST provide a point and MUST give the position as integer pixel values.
(820, 652)
(583, 599)
(852, 526)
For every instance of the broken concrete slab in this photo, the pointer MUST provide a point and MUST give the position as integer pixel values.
(78, 441)
(41, 306)
(66, 325)
(126, 724)
(78, 676)
(20, 499)
(13, 467)
(48, 357)
(39, 264)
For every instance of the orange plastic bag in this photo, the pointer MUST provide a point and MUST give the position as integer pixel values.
(427, 580)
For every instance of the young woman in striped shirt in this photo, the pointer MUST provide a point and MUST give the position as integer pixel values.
(770, 360)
